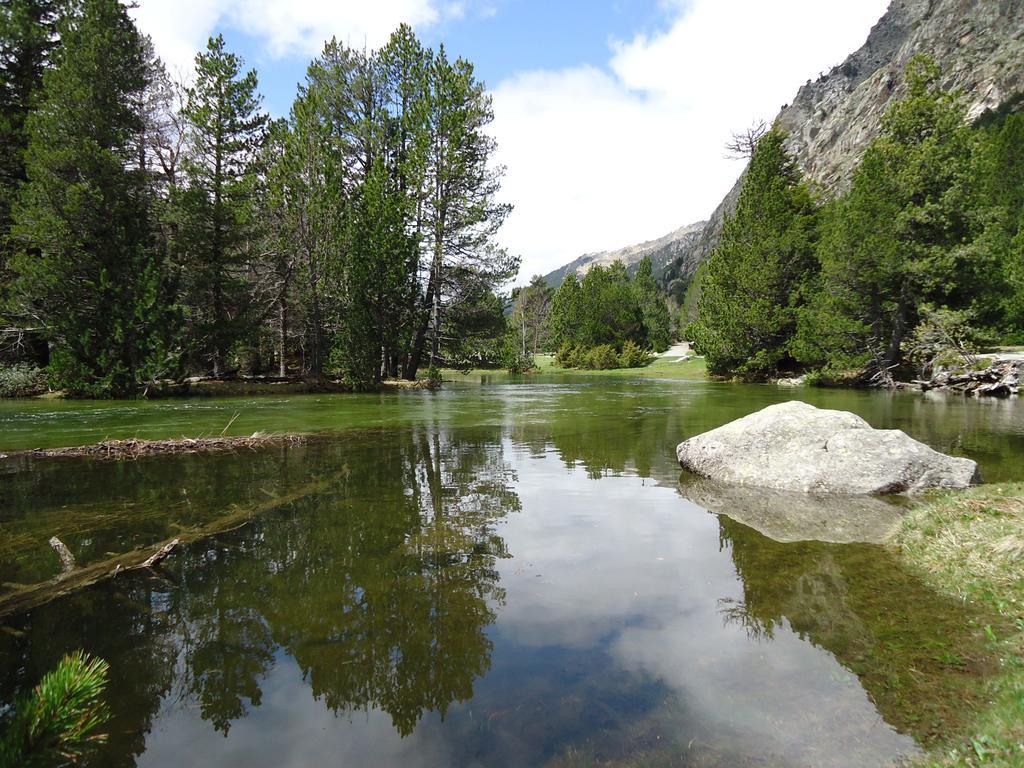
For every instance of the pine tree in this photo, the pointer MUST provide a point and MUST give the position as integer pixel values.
(1001, 245)
(378, 285)
(90, 274)
(657, 323)
(900, 238)
(460, 211)
(566, 316)
(225, 132)
(27, 38)
(750, 291)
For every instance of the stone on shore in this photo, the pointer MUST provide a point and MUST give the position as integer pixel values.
(794, 446)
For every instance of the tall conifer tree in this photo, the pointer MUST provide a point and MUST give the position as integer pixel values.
(751, 287)
(89, 274)
(226, 128)
(27, 37)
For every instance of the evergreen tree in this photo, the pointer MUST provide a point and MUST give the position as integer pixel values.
(307, 195)
(27, 37)
(657, 323)
(1001, 245)
(460, 211)
(378, 286)
(751, 289)
(901, 237)
(90, 273)
(610, 313)
(225, 132)
(566, 318)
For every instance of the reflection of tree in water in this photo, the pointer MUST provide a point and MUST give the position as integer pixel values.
(384, 600)
(125, 623)
(607, 431)
(916, 653)
(381, 587)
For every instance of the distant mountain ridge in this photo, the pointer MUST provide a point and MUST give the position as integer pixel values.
(662, 252)
(979, 47)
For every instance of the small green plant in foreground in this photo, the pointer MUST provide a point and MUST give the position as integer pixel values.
(55, 724)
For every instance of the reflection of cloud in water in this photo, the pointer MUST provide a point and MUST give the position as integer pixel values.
(594, 569)
(290, 730)
(782, 696)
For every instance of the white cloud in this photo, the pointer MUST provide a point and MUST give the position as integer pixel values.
(180, 27)
(604, 158)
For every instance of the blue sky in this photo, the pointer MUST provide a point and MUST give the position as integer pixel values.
(501, 38)
(610, 115)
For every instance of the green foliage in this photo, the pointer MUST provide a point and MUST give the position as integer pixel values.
(601, 358)
(88, 272)
(513, 358)
(21, 380)
(653, 308)
(569, 356)
(27, 36)
(943, 338)
(607, 308)
(225, 130)
(476, 332)
(434, 374)
(898, 239)
(633, 355)
(751, 289)
(55, 724)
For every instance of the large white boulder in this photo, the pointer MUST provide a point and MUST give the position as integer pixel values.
(794, 446)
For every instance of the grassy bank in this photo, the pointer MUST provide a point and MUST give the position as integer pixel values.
(658, 368)
(971, 545)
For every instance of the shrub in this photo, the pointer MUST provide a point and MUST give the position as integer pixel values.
(601, 358)
(22, 380)
(943, 339)
(513, 359)
(569, 356)
(633, 356)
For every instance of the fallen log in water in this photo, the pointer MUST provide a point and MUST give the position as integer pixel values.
(134, 448)
(1000, 379)
(26, 597)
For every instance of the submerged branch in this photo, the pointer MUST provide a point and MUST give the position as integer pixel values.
(27, 597)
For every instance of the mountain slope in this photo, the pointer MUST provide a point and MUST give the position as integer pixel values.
(978, 44)
(662, 252)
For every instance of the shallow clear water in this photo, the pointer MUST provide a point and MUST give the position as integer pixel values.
(497, 575)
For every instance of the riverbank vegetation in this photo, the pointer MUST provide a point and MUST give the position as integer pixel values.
(970, 545)
(152, 229)
(607, 320)
(930, 233)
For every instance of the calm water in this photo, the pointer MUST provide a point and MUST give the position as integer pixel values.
(504, 575)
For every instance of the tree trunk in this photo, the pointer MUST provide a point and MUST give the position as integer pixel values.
(419, 343)
(282, 335)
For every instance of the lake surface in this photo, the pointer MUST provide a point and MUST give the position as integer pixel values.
(488, 575)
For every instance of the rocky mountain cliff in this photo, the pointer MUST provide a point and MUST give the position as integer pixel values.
(979, 45)
(663, 251)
